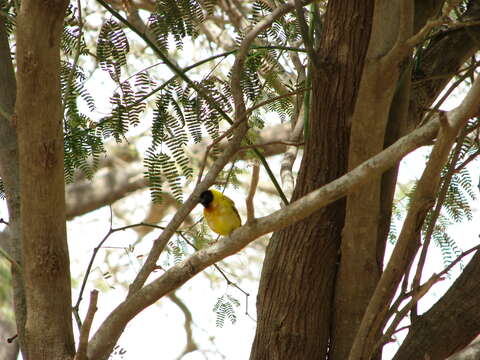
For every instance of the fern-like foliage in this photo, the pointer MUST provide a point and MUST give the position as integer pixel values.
(112, 49)
(83, 144)
(224, 308)
(457, 203)
(72, 40)
(9, 14)
(176, 18)
(283, 30)
(181, 115)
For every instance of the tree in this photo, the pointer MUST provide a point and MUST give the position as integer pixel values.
(361, 97)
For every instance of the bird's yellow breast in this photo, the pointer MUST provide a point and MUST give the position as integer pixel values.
(222, 216)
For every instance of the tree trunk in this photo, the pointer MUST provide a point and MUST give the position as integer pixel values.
(9, 172)
(296, 287)
(48, 328)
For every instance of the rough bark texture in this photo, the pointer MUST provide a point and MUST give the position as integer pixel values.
(451, 324)
(296, 288)
(48, 329)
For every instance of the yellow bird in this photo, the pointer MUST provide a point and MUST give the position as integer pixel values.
(220, 212)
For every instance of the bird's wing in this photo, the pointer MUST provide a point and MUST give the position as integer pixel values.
(232, 204)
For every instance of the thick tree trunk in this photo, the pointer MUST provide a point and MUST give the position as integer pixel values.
(48, 329)
(296, 288)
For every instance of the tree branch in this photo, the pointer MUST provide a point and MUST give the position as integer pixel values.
(407, 246)
(218, 165)
(113, 326)
(251, 193)
(87, 324)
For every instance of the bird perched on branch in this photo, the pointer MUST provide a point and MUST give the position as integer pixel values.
(220, 212)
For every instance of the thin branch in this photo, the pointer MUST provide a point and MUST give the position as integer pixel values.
(467, 161)
(234, 126)
(11, 260)
(407, 246)
(416, 296)
(276, 98)
(5, 114)
(113, 326)
(237, 71)
(76, 57)
(218, 165)
(190, 345)
(436, 213)
(280, 142)
(87, 324)
(211, 145)
(305, 33)
(219, 269)
(251, 193)
(286, 172)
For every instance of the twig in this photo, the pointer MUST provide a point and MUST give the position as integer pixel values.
(236, 124)
(141, 297)
(75, 58)
(436, 213)
(12, 338)
(251, 192)
(85, 330)
(210, 146)
(279, 142)
(276, 98)
(467, 161)
(406, 246)
(305, 33)
(2, 221)
(286, 173)
(11, 260)
(417, 295)
(190, 343)
(4, 113)
(94, 254)
(229, 282)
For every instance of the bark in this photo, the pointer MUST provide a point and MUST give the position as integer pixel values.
(114, 182)
(451, 324)
(296, 286)
(375, 127)
(360, 264)
(9, 172)
(471, 352)
(110, 330)
(48, 328)
(408, 240)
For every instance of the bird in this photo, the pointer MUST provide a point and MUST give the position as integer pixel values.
(220, 212)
